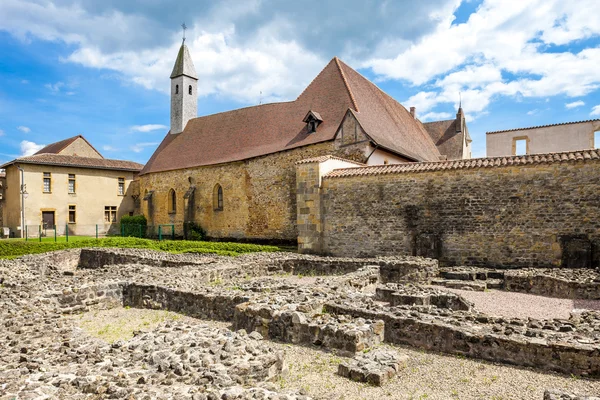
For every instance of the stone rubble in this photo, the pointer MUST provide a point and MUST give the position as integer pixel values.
(43, 353)
(375, 367)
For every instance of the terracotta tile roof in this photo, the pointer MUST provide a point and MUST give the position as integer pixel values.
(494, 162)
(325, 158)
(387, 122)
(543, 126)
(57, 147)
(76, 161)
(447, 140)
(270, 128)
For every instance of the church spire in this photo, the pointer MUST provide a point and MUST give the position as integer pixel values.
(183, 64)
(184, 85)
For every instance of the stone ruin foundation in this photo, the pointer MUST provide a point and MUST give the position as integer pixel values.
(349, 306)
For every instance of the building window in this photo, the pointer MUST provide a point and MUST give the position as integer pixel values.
(72, 217)
(190, 89)
(121, 189)
(218, 198)
(47, 182)
(176, 89)
(172, 202)
(71, 183)
(520, 146)
(110, 214)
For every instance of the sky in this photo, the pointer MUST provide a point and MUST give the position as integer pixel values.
(101, 68)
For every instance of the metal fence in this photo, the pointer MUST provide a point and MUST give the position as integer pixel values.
(62, 233)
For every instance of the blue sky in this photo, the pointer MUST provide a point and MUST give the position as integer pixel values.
(101, 68)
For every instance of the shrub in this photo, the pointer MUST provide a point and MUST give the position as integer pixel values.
(134, 225)
(194, 232)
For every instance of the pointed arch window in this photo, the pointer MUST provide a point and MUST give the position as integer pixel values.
(172, 203)
(176, 89)
(218, 198)
(190, 89)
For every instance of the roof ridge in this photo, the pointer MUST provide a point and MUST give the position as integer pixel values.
(337, 62)
(427, 166)
(543, 126)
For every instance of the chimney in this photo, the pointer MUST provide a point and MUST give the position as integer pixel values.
(413, 112)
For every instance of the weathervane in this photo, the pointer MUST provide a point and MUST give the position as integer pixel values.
(184, 28)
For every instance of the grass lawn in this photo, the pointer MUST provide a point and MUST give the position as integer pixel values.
(12, 248)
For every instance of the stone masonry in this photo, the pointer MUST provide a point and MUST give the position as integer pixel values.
(522, 213)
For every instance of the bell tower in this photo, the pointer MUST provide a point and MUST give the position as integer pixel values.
(184, 94)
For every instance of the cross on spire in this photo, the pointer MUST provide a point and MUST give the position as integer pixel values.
(184, 28)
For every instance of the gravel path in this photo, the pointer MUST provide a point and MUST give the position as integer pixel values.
(522, 305)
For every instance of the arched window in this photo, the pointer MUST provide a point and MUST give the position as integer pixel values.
(176, 89)
(172, 202)
(218, 198)
(190, 89)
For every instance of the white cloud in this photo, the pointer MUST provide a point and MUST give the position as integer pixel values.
(574, 104)
(148, 127)
(1, 132)
(28, 148)
(596, 110)
(108, 148)
(435, 116)
(139, 147)
(24, 81)
(24, 129)
(54, 87)
(500, 51)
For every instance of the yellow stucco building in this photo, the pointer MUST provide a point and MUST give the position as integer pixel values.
(67, 185)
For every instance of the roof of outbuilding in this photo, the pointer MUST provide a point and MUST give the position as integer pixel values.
(76, 161)
(57, 147)
(549, 158)
(543, 126)
(270, 128)
(325, 158)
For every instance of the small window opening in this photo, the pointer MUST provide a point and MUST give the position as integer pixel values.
(71, 183)
(218, 198)
(47, 182)
(121, 187)
(190, 89)
(520, 147)
(110, 214)
(176, 89)
(597, 140)
(72, 218)
(172, 202)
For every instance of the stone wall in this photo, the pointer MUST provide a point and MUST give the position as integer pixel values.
(259, 194)
(542, 214)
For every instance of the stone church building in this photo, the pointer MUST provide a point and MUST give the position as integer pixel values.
(234, 173)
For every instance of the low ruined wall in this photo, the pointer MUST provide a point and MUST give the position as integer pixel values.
(91, 297)
(454, 338)
(550, 286)
(505, 216)
(197, 305)
(391, 269)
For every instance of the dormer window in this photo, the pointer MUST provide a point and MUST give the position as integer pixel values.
(313, 120)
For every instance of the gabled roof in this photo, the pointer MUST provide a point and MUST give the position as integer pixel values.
(183, 64)
(492, 162)
(57, 147)
(76, 161)
(270, 128)
(544, 126)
